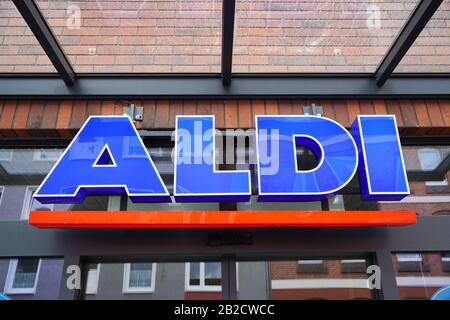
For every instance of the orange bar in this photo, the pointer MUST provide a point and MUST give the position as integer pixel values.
(218, 219)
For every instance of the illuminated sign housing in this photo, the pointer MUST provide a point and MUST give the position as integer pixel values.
(107, 156)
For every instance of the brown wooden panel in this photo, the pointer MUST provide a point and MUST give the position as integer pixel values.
(175, 109)
(366, 107)
(93, 108)
(408, 112)
(328, 109)
(394, 108)
(340, 107)
(162, 114)
(437, 121)
(379, 107)
(190, 107)
(258, 109)
(297, 106)
(272, 107)
(107, 108)
(149, 114)
(50, 115)
(423, 118)
(35, 116)
(285, 107)
(218, 110)
(63, 120)
(118, 107)
(353, 110)
(245, 114)
(204, 107)
(78, 114)
(231, 115)
(445, 110)
(7, 117)
(20, 119)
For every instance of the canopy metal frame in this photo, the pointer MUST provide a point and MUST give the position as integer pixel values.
(383, 83)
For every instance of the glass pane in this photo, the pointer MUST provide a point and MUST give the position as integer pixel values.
(170, 282)
(19, 49)
(315, 36)
(423, 277)
(138, 35)
(194, 274)
(25, 273)
(213, 274)
(140, 275)
(428, 181)
(20, 285)
(92, 279)
(253, 204)
(324, 279)
(431, 50)
(22, 170)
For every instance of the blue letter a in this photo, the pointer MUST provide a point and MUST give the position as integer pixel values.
(107, 156)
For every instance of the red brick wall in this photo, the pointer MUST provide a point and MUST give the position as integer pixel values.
(288, 270)
(24, 118)
(185, 36)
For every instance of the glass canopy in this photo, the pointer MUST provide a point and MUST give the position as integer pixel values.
(138, 36)
(431, 50)
(19, 49)
(192, 36)
(316, 36)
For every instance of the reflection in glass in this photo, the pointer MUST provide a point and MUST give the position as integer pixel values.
(19, 49)
(139, 35)
(428, 181)
(140, 275)
(213, 274)
(26, 271)
(305, 278)
(194, 274)
(421, 275)
(315, 36)
(431, 50)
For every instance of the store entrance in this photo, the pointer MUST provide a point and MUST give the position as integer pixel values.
(298, 278)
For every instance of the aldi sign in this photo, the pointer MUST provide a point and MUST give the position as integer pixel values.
(108, 157)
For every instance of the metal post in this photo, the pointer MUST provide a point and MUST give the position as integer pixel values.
(48, 41)
(405, 39)
(228, 17)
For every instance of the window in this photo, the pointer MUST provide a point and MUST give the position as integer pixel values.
(424, 283)
(354, 266)
(22, 276)
(311, 266)
(47, 154)
(429, 160)
(30, 204)
(93, 275)
(139, 277)
(409, 257)
(203, 276)
(6, 155)
(411, 262)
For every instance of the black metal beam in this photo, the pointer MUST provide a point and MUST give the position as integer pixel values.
(228, 17)
(211, 87)
(48, 41)
(405, 39)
